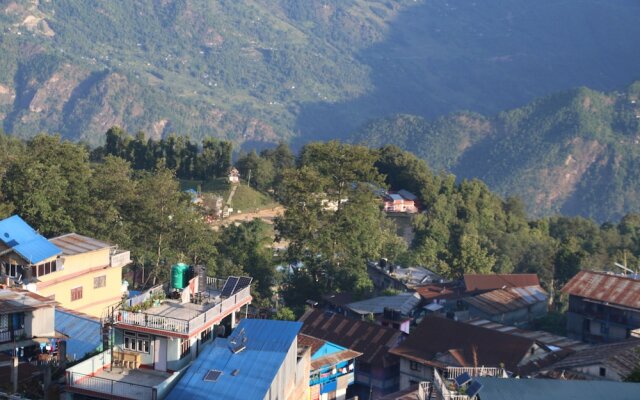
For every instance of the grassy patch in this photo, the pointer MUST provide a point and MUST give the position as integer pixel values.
(245, 199)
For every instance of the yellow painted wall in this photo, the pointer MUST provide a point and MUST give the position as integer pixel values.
(93, 301)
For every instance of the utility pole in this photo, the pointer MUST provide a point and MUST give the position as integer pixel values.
(249, 178)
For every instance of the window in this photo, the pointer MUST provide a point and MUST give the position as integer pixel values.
(185, 348)
(603, 371)
(44, 268)
(76, 293)
(99, 281)
(12, 269)
(414, 366)
(604, 328)
(136, 342)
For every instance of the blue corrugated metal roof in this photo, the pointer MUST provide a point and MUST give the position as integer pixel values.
(25, 241)
(266, 348)
(83, 333)
(549, 389)
(395, 196)
(327, 349)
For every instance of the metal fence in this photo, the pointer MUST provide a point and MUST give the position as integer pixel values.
(91, 383)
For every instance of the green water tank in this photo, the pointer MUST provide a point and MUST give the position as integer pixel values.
(179, 276)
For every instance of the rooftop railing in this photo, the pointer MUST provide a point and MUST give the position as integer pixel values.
(117, 389)
(182, 326)
(443, 388)
(454, 372)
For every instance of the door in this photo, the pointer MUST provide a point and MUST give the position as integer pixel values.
(160, 354)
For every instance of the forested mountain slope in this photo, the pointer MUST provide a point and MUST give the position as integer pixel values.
(576, 152)
(264, 70)
(229, 69)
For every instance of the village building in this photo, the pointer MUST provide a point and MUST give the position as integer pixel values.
(89, 274)
(262, 359)
(149, 339)
(437, 343)
(517, 306)
(332, 368)
(398, 203)
(386, 276)
(234, 175)
(478, 283)
(395, 311)
(611, 361)
(79, 272)
(602, 307)
(376, 370)
(26, 319)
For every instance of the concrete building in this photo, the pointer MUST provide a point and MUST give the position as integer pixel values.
(602, 307)
(262, 359)
(151, 338)
(89, 274)
(611, 361)
(79, 272)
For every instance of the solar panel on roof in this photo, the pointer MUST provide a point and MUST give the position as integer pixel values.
(462, 379)
(243, 282)
(212, 375)
(229, 286)
(474, 389)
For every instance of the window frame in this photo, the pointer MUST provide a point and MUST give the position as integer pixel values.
(137, 342)
(415, 366)
(74, 293)
(99, 279)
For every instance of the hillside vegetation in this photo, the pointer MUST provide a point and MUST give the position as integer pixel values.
(575, 153)
(228, 69)
(255, 71)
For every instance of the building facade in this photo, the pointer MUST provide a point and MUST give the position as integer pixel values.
(151, 338)
(602, 307)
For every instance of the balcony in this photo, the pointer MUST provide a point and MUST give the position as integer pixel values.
(93, 377)
(12, 335)
(177, 318)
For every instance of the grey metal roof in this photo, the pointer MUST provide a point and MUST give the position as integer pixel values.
(548, 389)
(19, 300)
(83, 332)
(404, 302)
(545, 338)
(73, 243)
(509, 299)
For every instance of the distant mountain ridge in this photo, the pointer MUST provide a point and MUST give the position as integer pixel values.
(231, 69)
(575, 152)
(262, 71)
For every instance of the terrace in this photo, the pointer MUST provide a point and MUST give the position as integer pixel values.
(94, 377)
(182, 317)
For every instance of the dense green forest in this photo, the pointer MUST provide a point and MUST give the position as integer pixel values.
(332, 225)
(574, 152)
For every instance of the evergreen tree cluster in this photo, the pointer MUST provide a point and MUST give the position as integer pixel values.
(189, 160)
